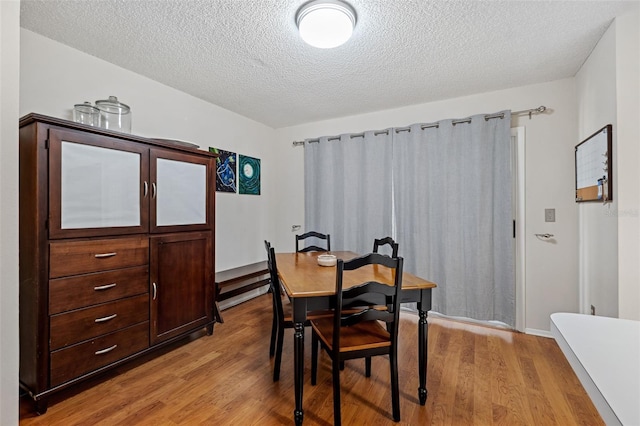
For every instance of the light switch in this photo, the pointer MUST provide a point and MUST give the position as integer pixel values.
(549, 215)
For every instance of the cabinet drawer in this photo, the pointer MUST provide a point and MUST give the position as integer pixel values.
(81, 257)
(81, 291)
(82, 324)
(72, 362)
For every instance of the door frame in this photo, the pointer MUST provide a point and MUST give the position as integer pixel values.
(519, 217)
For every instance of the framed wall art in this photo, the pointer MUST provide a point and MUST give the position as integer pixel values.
(249, 175)
(226, 176)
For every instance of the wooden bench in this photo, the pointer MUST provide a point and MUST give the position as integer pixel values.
(236, 281)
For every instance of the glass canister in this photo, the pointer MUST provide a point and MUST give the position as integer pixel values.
(86, 113)
(114, 115)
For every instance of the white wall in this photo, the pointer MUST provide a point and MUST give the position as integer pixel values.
(609, 92)
(551, 267)
(9, 82)
(54, 77)
(598, 237)
(628, 111)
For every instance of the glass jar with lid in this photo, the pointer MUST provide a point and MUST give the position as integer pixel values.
(86, 113)
(114, 115)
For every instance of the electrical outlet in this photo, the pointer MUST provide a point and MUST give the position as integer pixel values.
(549, 215)
(593, 310)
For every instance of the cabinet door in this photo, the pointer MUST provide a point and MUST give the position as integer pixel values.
(181, 192)
(97, 185)
(181, 283)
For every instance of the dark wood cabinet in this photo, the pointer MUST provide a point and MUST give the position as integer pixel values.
(116, 249)
(179, 268)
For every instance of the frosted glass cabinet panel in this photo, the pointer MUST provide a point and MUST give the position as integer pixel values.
(106, 186)
(98, 185)
(179, 191)
(181, 195)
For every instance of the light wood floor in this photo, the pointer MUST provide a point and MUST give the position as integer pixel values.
(476, 375)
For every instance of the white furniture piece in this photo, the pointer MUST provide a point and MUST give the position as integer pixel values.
(605, 355)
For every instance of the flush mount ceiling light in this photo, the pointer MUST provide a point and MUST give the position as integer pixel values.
(326, 23)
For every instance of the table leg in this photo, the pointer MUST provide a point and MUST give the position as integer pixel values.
(298, 364)
(422, 355)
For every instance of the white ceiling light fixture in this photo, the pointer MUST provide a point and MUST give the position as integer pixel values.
(326, 23)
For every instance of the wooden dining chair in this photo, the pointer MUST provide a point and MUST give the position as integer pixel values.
(377, 243)
(274, 323)
(313, 234)
(282, 312)
(355, 330)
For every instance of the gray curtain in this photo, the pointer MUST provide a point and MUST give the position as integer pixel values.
(453, 190)
(348, 189)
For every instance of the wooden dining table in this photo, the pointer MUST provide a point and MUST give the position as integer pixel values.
(312, 287)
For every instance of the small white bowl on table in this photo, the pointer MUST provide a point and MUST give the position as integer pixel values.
(327, 260)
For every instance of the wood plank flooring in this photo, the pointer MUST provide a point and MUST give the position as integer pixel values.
(476, 376)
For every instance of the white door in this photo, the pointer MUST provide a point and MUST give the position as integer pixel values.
(518, 163)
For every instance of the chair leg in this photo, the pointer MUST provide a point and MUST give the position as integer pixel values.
(367, 366)
(276, 364)
(274, 330)
(314, 359)
(336, 392)
(395, 390)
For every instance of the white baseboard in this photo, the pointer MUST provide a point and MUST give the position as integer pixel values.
(495, 324)
(536, 332)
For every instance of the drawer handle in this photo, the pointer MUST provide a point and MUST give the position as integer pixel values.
(103, 255)
(155, 290)
(104, 351)
(104, 287)
(146, 189)
(103, 319)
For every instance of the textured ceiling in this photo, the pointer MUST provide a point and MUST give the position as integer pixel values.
(246, 55)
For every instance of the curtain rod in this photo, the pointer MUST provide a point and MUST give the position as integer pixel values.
(528, 112)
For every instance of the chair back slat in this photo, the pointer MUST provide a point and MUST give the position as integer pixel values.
(311, 248)
(367, 294)
(314, 247)
(377, 243)
(368, 287)
(367, 314)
